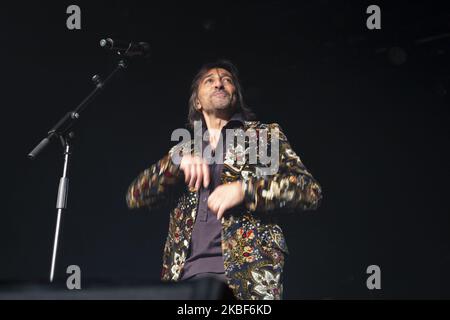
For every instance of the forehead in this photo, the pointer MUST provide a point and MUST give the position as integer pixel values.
(217, 72)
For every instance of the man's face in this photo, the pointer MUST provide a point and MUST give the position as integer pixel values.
(216, 91)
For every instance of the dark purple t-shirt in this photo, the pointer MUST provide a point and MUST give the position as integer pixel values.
(206, 242)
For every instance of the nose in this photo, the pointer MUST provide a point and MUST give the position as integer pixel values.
(218, 84)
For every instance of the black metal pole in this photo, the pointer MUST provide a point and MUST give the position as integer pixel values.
(61, 202)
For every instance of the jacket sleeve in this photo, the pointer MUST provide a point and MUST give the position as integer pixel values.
(154, 185)
(291, 188)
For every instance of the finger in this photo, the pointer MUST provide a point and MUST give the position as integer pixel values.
(198, 182)
(211, 200)
(213, 205)
(187, 173)
(193, 174)
(220, 212)
(205, 170)
(216, 207)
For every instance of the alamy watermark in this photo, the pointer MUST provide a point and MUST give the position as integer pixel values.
(250, 146)
(374, 280)
(74, 280)
(374, 20)
(73, 22)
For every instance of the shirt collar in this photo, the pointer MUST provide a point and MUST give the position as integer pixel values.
(237, 118)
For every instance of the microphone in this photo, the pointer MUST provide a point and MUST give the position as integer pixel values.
(126, 48)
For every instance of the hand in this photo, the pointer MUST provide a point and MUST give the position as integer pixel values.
(196, 171)
(224, 197)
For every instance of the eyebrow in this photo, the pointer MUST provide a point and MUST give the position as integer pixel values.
(212, 74)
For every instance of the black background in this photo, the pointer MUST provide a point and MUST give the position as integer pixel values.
(372, 128)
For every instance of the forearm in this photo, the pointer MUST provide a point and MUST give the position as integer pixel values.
(153, 184)
(289, 191)
(292, 187)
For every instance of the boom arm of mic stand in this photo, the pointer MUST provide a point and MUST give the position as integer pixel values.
(69, 119)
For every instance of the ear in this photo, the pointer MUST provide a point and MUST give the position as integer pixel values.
(198, 105)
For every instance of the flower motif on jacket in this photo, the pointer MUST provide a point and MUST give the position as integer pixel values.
(177, 235)
(267, 285)
(249, 235)
(178, 214)
(178, 262)
(242, 246)
(248, 257)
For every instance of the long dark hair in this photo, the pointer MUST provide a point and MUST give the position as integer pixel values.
(194, 114)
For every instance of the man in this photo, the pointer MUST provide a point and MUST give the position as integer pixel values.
(223, 223)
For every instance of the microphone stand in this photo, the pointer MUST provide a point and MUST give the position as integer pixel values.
(62, 131)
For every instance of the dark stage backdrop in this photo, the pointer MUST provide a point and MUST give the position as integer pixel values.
(366, 110)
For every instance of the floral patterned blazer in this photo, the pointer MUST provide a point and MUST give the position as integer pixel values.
(253, 244)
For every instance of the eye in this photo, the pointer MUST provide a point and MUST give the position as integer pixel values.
(208, 80)
(228, 80)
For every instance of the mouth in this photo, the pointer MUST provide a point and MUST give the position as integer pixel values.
(220, 94)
